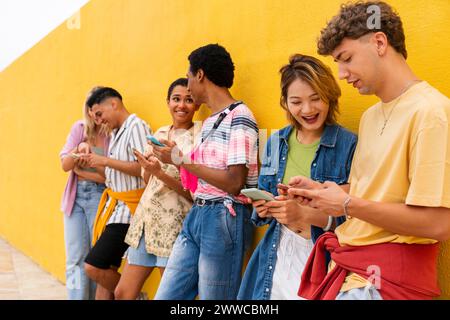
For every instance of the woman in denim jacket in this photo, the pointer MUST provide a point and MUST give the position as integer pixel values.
(313, 146)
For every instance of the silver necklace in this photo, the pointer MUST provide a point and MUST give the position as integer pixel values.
(408, 85)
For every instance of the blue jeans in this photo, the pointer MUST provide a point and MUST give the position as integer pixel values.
(78, 234)
(207, 256)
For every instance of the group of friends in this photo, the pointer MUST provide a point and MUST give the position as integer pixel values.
(351, 217)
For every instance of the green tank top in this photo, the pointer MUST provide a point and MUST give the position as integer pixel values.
(300, 157)
(96, 150)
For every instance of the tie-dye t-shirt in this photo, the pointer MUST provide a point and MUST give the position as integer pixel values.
(234, 142)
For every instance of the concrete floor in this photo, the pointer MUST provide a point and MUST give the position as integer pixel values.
(23, 279)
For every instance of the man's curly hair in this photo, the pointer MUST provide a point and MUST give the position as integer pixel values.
(216, 63)
(352, 22)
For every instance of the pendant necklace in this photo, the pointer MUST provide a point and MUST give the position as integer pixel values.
(408, 85)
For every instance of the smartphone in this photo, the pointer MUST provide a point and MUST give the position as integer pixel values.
(256, 194)
(155, 141)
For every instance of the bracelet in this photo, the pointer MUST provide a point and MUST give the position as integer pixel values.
(330, 223)
(345, 205)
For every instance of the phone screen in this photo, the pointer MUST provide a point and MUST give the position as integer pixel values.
(256, 194)
(155, 141)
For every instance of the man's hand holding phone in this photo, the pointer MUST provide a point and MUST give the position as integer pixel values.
(149, 164)
(302, 182)
(298, 182)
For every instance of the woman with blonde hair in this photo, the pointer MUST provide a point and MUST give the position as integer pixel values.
(313, 145)
(81, 197)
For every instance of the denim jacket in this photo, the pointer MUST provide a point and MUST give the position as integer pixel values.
(332, 162)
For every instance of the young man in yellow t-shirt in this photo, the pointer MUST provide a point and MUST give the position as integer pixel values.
(398, 200)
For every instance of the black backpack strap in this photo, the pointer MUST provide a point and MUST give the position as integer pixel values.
(222, 116)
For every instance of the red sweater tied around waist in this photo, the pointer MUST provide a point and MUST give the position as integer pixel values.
(406, 271)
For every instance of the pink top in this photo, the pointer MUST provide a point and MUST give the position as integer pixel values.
(75, 137)
(189, 180)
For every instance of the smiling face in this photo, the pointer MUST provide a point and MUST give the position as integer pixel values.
(104, 112)
(358, 63)
(305, 105)
(97, 121)
(181, 105)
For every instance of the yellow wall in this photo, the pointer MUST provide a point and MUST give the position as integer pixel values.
(139, 47)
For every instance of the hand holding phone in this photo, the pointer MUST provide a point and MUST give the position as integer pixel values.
(141, 159)
(80, 159)
(256, 194)
(155, 141)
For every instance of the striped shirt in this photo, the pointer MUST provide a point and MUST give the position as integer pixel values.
(234, 142)
(130, 135)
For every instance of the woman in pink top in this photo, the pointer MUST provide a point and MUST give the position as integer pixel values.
(80, 200)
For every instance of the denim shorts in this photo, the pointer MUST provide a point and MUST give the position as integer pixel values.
(140, 256)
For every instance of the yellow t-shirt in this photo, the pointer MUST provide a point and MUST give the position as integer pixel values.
(409, 163)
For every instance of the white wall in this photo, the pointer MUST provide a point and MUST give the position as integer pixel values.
(23, 23)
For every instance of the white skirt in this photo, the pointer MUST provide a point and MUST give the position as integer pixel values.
(292, 254)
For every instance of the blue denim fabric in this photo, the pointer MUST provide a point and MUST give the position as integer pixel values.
(332, 162)
(140, 256)
(368, 292)
(207, 256)
(78, 234)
